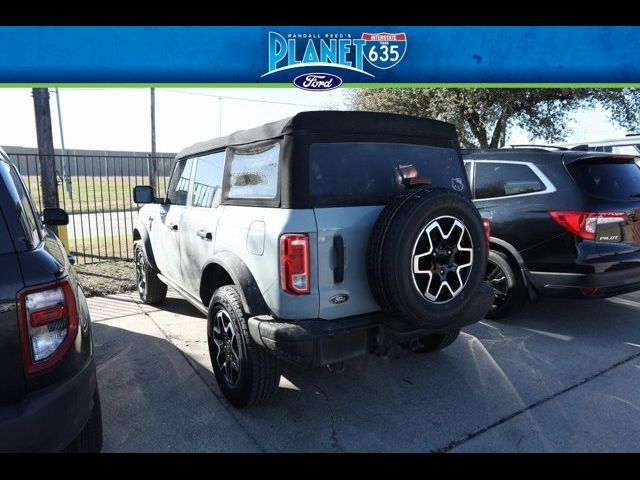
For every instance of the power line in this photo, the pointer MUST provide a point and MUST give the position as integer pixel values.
(226, 97)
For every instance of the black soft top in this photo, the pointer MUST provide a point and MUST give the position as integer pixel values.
(327, 122)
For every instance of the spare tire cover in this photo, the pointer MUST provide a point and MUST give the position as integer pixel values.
(426, 257)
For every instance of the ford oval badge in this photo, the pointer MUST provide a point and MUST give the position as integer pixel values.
(340, 298)
(317, 81)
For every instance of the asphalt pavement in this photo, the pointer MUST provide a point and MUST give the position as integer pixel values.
(561, 376)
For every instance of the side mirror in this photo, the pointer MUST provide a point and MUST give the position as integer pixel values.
(54, 216)
(143, 194)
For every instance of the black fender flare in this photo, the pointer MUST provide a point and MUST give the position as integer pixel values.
(252, 300)
(146, 245)
(519, 260)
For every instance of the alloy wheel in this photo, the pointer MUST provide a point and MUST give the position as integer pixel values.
(442, 259)
(227, 348)
(498, 280)
(141, 272)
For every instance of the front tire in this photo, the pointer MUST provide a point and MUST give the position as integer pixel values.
(150, 288)
(508, 286)
(246, 373)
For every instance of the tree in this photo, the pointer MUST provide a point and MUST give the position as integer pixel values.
(483, 116)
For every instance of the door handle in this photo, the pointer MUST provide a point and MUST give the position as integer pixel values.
(173, 226)
(150, 218)
(204, 234)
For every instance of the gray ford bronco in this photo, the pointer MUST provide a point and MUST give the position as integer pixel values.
(315, 239)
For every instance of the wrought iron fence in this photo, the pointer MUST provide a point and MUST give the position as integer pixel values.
(97, 193)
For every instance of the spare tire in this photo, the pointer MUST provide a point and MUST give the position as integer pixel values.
(427, 257)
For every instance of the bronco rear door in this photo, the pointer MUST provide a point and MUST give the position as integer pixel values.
(350, 183)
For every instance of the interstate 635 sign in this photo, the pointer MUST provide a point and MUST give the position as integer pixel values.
(384, 50)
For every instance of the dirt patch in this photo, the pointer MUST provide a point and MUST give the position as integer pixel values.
(107, 278)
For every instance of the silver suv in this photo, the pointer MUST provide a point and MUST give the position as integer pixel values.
(316, 239)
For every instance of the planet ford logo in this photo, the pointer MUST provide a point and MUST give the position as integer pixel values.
(317, 81)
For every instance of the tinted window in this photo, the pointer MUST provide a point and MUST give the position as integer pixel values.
(371, 173)
(615, 179)
(505, 179)
(254, 173)
(27, 213)
(208, 179)
(179, 185)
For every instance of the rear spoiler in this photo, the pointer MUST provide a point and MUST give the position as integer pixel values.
(598, 157)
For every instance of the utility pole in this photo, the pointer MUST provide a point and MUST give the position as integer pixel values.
(153, 171)
(66, 172)
(45, 147)
(219, 116)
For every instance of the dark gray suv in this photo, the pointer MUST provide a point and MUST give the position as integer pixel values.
(48, 392)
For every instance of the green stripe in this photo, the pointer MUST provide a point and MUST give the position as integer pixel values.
(345, 85)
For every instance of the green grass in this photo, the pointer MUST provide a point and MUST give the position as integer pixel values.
(89, 250)
(93, 194)
(107, 278)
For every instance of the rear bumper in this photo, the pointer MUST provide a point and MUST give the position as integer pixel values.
(318, 342)
(569, 284)
(49, 420)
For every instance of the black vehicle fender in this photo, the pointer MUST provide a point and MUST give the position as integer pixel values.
(141, 234)
(252, 300)
(511, 250)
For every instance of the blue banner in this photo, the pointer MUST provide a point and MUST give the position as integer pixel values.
(363, 54)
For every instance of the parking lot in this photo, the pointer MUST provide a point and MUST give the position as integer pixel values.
(561, 376)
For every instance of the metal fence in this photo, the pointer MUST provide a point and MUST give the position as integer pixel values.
(97, 193)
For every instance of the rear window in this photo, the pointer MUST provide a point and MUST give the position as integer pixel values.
(367, 173)
(614, 179)
(254, 173)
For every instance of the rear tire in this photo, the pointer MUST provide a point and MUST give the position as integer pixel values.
(437, 341)
(510, 292)
(90, 438)
(150, 288)
(246, 373)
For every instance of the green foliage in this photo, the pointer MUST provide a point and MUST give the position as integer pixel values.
(483, 116)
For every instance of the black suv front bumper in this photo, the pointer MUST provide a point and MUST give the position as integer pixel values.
(318, 342)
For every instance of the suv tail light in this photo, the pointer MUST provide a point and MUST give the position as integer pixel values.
(583, 224)
(48, 323)
(294, 263)
(486, 223)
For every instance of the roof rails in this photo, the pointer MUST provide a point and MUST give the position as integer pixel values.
(536, 146)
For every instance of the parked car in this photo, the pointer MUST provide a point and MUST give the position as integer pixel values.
(49, 398)
(627, 145)
(316, 239)
(563, 223)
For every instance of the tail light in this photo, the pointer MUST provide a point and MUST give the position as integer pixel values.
(487, 231)
(48, 324)
(294, 263)
(584, 224)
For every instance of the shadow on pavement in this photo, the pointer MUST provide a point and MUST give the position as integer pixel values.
(154, 400)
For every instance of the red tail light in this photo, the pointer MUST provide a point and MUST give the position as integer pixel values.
(487, 231)
(583, 224)
(48, 324)
(294, 263)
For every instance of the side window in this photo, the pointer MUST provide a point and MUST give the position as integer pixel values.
(27, 212)
(208, 179)
(179, 184)
(505, 179)
(254, 174)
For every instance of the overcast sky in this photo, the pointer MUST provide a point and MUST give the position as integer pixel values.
(119, 118)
